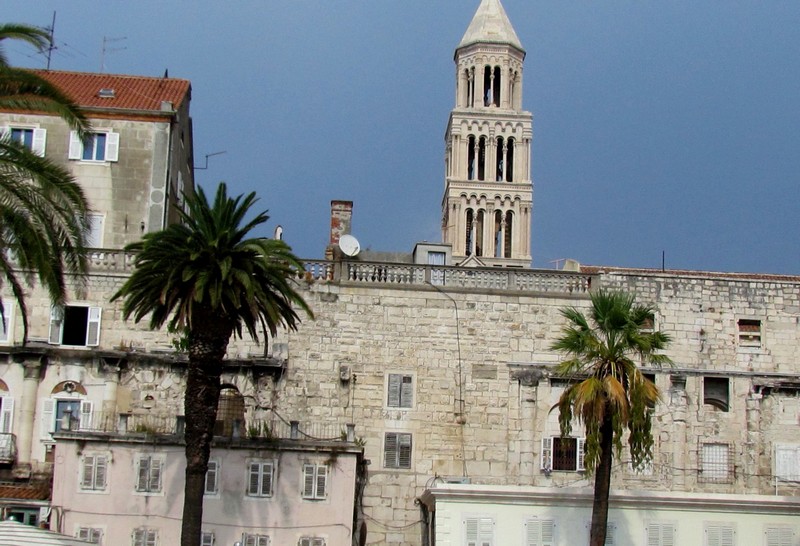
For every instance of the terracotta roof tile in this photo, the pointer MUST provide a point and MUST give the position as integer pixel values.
(129, 92)
(27, 492)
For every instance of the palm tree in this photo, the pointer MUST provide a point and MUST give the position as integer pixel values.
(609, 393)
(206, 279)
(43, 220)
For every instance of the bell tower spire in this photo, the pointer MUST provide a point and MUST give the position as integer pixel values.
(488, 194)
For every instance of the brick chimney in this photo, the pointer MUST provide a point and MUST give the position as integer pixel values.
(341, 219)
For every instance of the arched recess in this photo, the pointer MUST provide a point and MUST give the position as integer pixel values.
(470, 218)
(499, 166)
(479, 232)
(230, 412)
(471, 154)
(482, 158)
(509, 166)
(507, 238)
(66, 409)
(498, 234)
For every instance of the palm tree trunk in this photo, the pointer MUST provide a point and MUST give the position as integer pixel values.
(206, 351)
(602, 484)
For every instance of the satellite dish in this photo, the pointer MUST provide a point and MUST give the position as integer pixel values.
(349, 245)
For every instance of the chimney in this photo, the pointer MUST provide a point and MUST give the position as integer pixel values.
(341, 218)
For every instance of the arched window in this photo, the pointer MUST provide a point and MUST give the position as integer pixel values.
(498, 234)
(509, 171)
(496, 87)
(500, 163)
(479, 233)
(230, 412)
(488, 95)
(468, 240)
(508, 231)
(471, 153)
(482, 158)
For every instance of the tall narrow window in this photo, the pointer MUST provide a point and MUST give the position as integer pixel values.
(468, 235)
(315, 481)
(479, 233)
(400, 391)
(500, 163)
(212, 478)
(487, 85)
(498, 234)
(496, 86)
(472, 151)
(509, 171)
(482, 158)
(94, 472)
(230, 412)
(508, 234)
(479, 531)
(148, 474)
(259, 481)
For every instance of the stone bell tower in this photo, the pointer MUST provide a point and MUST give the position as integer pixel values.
(488, 193)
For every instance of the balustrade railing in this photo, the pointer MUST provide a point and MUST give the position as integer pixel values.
(485, 278)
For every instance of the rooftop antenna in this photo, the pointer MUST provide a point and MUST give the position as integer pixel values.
(205, 167)
(107, 41)
(52, 45)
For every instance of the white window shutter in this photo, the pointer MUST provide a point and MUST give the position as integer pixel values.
(112, 146)
(87, 479)
(39, 140)
(581, 443)
(155, 475)
(322, 482)
(93, 327)
(779, 536)
(471, 531)
(486, 531)
(75, 145)
(611, 534)
(6, 414)
(547, 453)
(101, 472)
(407, 391)
(253, 479)
(211, 478)
(48, 422)
(266, 480)
(548, 536)
(142, 473)
(250, 540)
(56, 324)
(308, 481)
(5, 131)
(393, 398)
(86, 415)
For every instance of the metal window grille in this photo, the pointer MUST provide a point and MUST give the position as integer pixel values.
(716, 463)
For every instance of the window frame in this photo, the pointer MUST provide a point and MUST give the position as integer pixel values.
(713, 387)
(38, 142)
(207, 538)
(311, 541)
(719, 529)
(110, 149)
(315, 477)
(98, 461)
(712, 471)
(94, 320)
(779, 472)
(214, 491)
(144, 536)
(396, 452)
(49, 414)
(478, 530)
(6, 413)
(747, 338)
(7, 323)
(255, 540)
(540, 538)
(654, 533)
(782, 530)
(258, 492)
(89, 534)
(143, 485)
(548, 448)
(401, 401)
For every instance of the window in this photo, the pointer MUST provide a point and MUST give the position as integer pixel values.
(779, 535)
(315, 481)
(230, 412)
(148, 473)
(660, 534)
(437, 275)
(397, 450)
(94, 472)
(7, 323)
(400, 391)
(90, 534)
(145, 537)
(32, 138)
(311, 541)
(562, 453)
(255, 540)
(478, 531)
(719, 534)
(649, 324)
(787, 462)
(75, 325)
(749, 331)
(212, 477)
(540, 532)
(97, 146)
(207, 539)
(94, 237)
(259, 482)
(65, 414)
(716, 392)
(716, 463)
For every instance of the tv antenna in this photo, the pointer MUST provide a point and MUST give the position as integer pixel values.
(107, 49)
(205, 167)
(52, 46)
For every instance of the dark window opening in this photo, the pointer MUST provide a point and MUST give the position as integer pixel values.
(716, 392)
(471, 151)
(76, 324)
(468, 245)
(749, 332)
(509, 228)
(498, 234)
(230, 413)
(479, 234)
(509, 172)
(487, 85)
(482, 158)
(496, 86)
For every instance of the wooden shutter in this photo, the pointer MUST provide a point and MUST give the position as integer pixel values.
(390, 450)
(253, 480)
(143, 473)
(393, 397)
(112, 146)
(407, 391)
(322, 482)
(546, 462)
(39, 140)
(719, 535)
(308, 481)
(154, 481)
(266, 479)
(581, 455)
(86, 415)
(211, 478)
(48, 422)
(779, 536)
(75, 147)
(6, 414)
(101, 472)
(56, 324)
(540, 532)
(404, 451)
(93, 327)
(87, 480)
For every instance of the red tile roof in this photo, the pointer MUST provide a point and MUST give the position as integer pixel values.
(26, 492)
(129, 92)
(593, 270)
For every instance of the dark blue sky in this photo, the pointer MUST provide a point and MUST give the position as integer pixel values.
(669, 126)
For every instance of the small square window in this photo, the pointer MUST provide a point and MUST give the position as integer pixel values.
(397, 450)
(145, 537)
(562, 454)
(255, 540)
(99, 146)
(207, 539)
(478, 531)
(749, 331)
(716, 463)
(649, 324)
(716, 392)
(75, 325)
(311, 541)
(94, 472)
(719, 534)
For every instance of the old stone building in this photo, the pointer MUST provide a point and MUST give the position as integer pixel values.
(437, 362)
